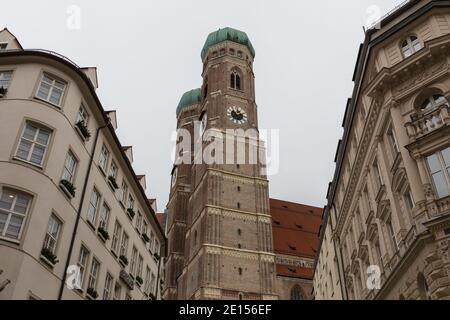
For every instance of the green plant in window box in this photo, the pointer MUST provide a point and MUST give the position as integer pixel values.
(69, 187)
(103, 233)
(91, 292)
(139, 280)
(124, 259)
(83, 129)
(49, 255)
(3, 91)
(131, 213)
(145, 237)
(113, 182)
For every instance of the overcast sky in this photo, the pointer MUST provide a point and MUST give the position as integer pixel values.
(148, 54)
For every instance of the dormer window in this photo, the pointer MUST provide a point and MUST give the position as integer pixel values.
(235, 80)
(433, 101)
(410, 46)
(3, 46)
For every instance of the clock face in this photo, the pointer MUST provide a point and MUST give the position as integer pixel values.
(237, 115)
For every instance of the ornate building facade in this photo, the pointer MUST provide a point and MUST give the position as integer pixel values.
(75, 222)
(219, 224)
(386, 228)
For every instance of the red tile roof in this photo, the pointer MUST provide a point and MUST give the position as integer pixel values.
(295, 232)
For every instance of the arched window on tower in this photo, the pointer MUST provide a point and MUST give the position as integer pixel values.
(235, 80)
(205, 89)
(410, 46)
(296, 293)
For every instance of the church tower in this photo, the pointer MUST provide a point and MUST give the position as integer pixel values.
(225, 218)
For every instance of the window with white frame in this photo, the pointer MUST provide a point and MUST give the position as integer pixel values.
(117, 291)
(33, 144)
(5, 79)
(52, 235)
(104, 216)
(144, 227)
(147, 280)
(130, 201)
(152, 240)
(113, 170)
(139, 221)
(439, 168)
(14, 207)
(134, 254)
(83, 260)
(116, 237)
(124, 189)
(108, 287)
(51, 89)
(95, 267)
(93, 205)
(104, 156)
(124, 244)
(140, 265)
(152, 283)
(410, 46)
(82, 115)
(70, 166)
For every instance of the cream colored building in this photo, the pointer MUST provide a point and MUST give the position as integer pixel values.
(69, 198)
(387, 225)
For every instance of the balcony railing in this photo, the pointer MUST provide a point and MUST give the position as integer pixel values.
(428, 121)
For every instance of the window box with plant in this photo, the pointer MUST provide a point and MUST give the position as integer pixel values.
(123, 260)
(68, 188)
(91, 293)
(131, 213)
(145, 237)
(83, 130)
(49, 257)
(113, 183)
(3, 92)
(139, 281)
(104, 235)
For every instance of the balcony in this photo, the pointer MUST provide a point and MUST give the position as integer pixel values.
(423, 123)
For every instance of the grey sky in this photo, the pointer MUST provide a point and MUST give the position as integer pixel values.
(148, 55)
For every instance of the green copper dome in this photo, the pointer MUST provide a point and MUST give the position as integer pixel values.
(227, 34)
(189, 98)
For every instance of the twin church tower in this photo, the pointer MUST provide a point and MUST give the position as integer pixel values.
(219, 224)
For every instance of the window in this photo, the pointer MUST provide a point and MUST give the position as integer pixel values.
(82, 115)
(240, 271)
(93, 204)
(95, 267)
(113, 170)
(152, 283)
(51, 89)
(409, 200)
(377, 173)
(439, 167)
(14, 207)
(392, 235)
(140, 265)
(124, 188)
(433, 102)
(152, 240)
(422, 285)
(235, 80)
(104, 216)
(52, 235)
(239, 54)
(139, 221)
(33, 144)
(147, 280)
(117, 291)
(69, 167)
(5, 79)
(393, 141)
(232, 51)
(116, 236)
(156, 247)
(144, 227)
(103, 161)
(3, 45)
(83, 259)
(133, 261)
(296, 293)
(108, 287)
(124, 244)
(130, 201)
(410, 46)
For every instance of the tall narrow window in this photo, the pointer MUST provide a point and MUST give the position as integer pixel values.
(93, 204)
(124, 189)
(69, 167)
(439, 167)
(152, 283)
(124, 244)
(108, 287)
(116, 237)
(139, 221)
(104, 156)
(113, 170)
(134, 254)
(117, 291)
(409, 199)
(51, 89)
(235, 80)
(5, 79)
(393, 142)
(140, 265)
(296, 293)
(144, 227)
(130, 201)
(82, 115)
(95, 267)
(14, 208)
(410, 46)
(377, 173)
(33, 144)
(147, 281)
(52, 235)
(83, 259)
(104, 216)
(392, 235)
